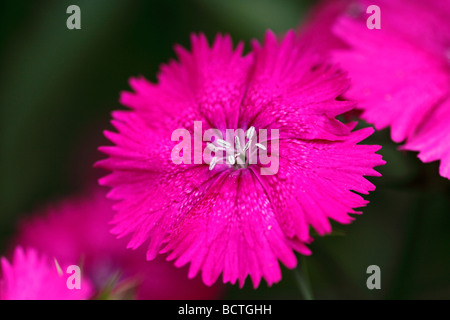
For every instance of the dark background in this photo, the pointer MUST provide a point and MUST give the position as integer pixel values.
(58, 87)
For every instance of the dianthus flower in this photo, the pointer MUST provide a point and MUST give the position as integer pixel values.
(233, 212)
(75, 231)
(400, 73)
(32, 276)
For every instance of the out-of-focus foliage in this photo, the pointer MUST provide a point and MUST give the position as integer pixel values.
(58, 87)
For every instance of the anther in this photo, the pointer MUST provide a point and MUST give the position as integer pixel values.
(250, 132)
(237, 142)
(211, 147)
(223, 143)
(259, 145)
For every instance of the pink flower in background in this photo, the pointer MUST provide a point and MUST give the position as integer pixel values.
(400, 73)
(316, 28)
(31, 276)
(225, 218)
(76, 231)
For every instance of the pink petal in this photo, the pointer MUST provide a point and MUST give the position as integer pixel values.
(433, 139)
(394, 82)
(233, 230)
(316, 179)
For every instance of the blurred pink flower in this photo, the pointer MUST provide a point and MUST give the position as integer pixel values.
(316, 29)
(31, 276)
(231, 219)
(401, 73)
(76, 231)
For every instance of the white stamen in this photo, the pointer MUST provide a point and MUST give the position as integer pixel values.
(58, 267)
(231, 160)
(259, 145)
(250, 132)
(211, 147)
(237, 154)
(247, 145)
(223, 143)
(212, 163)
(237, 142)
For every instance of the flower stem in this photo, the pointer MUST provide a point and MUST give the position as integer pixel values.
(302, 279)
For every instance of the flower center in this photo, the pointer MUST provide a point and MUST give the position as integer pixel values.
(237, 156)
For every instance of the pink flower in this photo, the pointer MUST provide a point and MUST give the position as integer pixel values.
(31, 276)
(400, 73)
(229, 218)
(76, 231)
(316, 29)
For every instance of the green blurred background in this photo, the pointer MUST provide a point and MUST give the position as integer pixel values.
(58, 87)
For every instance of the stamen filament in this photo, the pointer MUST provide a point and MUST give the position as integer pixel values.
(212, 163)
(223, 143)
